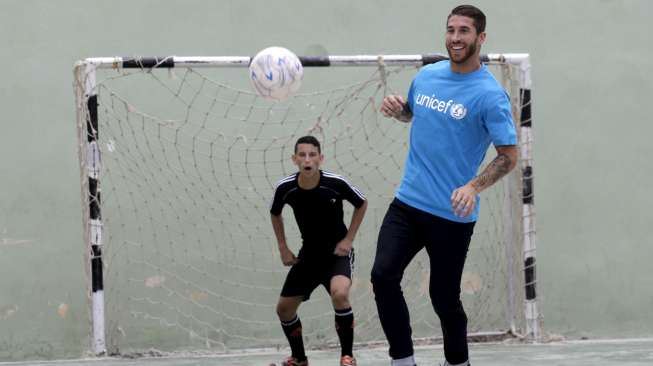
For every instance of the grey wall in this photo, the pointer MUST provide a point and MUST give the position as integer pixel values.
(592, 87)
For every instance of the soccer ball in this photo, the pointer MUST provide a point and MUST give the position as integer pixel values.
(276, 73)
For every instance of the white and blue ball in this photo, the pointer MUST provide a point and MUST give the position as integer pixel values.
(276, 73)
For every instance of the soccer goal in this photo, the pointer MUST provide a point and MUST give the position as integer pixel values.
(179, 159)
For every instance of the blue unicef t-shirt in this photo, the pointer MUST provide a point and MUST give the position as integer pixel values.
(455, 118)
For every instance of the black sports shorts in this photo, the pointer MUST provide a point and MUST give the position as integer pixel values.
(308, 273)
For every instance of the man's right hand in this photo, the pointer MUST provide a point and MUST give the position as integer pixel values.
(393, 106)
(287, 256)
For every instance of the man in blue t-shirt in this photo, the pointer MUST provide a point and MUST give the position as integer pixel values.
(457, 109)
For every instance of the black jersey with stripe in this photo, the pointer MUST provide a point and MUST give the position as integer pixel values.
(318, 211)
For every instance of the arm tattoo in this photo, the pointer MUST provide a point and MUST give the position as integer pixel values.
(499, 167)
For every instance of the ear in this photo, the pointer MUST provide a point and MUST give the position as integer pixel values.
(481, 37)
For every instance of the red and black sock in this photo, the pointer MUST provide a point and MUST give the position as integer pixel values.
(345, 330)
(293, 331)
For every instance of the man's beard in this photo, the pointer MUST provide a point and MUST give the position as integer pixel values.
(470, 51)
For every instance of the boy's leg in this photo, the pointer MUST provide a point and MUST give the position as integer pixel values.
(299, 284)
(338, 284)
(344, 315)
(291, 325)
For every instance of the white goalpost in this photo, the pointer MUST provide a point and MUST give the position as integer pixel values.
(179, 158)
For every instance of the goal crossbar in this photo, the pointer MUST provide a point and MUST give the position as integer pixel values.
(307, 61)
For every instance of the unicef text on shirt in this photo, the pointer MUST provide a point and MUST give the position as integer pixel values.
(458, 111)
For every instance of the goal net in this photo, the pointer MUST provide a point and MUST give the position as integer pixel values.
(179, 162)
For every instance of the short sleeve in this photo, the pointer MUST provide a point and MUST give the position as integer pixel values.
(352, 194)
(277, 201)
(409, 101)
(497, 119)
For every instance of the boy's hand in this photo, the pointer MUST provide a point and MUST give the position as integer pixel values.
(287, 257)
(343, 248)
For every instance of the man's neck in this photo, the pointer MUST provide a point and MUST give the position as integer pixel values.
(472, 64)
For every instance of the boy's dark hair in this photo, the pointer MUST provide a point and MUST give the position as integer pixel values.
(473, 12)
(308, 140)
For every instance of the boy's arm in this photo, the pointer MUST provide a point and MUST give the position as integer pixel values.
(344, 246)
(287, 256)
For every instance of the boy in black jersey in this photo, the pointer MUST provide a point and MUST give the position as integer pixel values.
(326, 256)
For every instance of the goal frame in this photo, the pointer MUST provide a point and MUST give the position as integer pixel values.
(90, 160)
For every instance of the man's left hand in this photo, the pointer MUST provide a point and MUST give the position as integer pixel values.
(463, 200)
